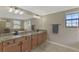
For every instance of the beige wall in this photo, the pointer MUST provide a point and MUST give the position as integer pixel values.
(65, 35)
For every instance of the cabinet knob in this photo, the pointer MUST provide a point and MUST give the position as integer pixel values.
(8, 43)
(26, 39)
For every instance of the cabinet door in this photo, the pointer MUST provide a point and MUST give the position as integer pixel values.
(44, 36)
(34, 41)
(0, 47)
(29, 43)
(40, 38)
(10, 46)
(26, 44)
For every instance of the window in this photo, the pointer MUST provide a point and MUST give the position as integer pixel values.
(72, 20)
(16, 24)
(27, 25)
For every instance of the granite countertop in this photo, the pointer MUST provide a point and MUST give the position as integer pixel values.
(9, 37)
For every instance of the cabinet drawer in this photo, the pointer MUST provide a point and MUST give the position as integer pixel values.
(8, 42)
(20, 39)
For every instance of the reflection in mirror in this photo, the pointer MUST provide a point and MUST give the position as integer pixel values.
(9, 25)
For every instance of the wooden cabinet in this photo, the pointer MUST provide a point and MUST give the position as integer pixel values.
(42, 37)
(0, 47)
(11, 46)
(34, 41)
(20, 42)
(23, 44)
(26, 44)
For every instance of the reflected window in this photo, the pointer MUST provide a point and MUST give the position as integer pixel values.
(27, 25)
(16, 24)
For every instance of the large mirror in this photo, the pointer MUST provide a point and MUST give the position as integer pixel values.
(9, 25)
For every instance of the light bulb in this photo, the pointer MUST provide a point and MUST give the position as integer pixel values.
(16, 11)
(11, 9)
(21, 13)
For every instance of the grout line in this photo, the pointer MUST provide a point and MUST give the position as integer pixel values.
(65, 46)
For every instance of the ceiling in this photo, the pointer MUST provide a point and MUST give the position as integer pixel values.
(30, 11)
(45, 10)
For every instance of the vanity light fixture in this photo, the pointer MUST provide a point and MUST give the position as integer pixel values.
(16, 10)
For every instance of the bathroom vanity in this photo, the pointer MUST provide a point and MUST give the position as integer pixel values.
(23, 42)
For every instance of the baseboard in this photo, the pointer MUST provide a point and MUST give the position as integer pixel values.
(62, 45)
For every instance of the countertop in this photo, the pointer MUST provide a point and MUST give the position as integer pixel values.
(9, 37)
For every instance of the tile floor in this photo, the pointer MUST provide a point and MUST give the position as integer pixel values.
(48, 47)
